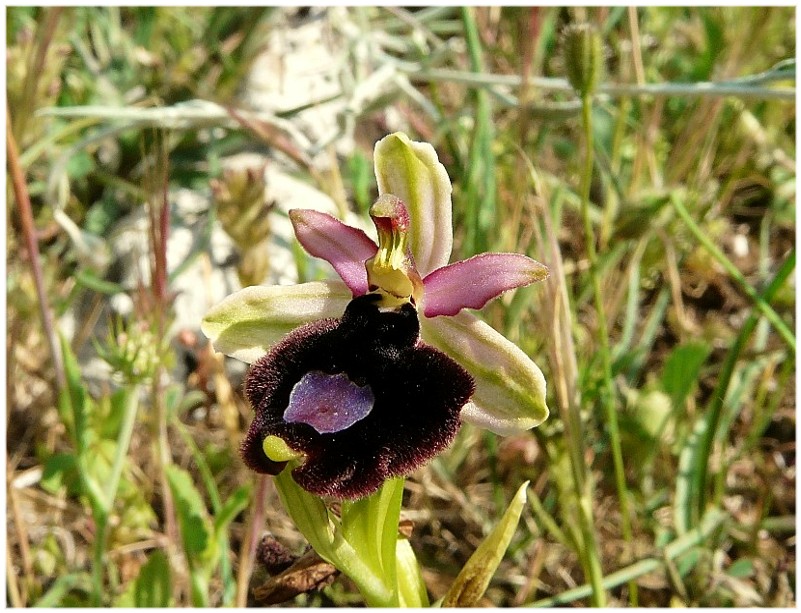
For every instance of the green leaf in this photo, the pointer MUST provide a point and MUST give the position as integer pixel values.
(60, 470)
(60, 588)
(231, 508)
(73, 401)
(107, 420)
(193, 518)
(172, 397)
(74, 409)
(361, 178)
(247, 323)
(689, 560)
(370, 525)
(705, 62)
(472, 582)
(682, 369)
(684, 514)
(308, 512)
(153, 586)
(79, 165)
(741, 569)
(326, 536)
(652, 410)
(411, 587)
(90, 280)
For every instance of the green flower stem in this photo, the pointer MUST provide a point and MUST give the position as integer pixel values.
(607, 391)
(786, 334)
(373, 587)
(123, 442)
(98, 556)
(591, 558)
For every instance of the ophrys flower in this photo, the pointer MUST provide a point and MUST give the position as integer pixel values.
(372, 375)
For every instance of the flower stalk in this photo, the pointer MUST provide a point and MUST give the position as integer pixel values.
(584, 55)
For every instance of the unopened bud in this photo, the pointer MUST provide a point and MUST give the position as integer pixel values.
(583, 55)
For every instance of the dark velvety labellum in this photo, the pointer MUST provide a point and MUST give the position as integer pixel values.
(417, 392)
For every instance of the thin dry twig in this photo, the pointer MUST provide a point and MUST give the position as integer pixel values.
(247, 553)
(29, 231)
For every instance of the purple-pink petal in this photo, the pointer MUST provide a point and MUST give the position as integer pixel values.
(344, 247)
(473, 282)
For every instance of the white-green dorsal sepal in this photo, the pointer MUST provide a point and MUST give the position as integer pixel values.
(412, 172)
(248, 322)
(510, 388)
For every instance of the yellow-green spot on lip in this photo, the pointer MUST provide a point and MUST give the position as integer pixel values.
(277, 450)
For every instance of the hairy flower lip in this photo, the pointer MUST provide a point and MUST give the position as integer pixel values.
(418, 394)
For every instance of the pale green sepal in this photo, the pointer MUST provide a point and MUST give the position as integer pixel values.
(248, 322)
(510, 388)
(411, 587)
(472, 582)
(412, 172)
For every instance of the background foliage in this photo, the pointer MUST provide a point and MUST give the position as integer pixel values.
(124, 487)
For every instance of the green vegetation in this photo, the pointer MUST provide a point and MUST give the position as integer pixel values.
(661, 195)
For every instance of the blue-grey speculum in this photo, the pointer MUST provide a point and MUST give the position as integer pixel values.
(328, 403)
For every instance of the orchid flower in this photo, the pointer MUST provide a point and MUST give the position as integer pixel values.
(367, 378)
